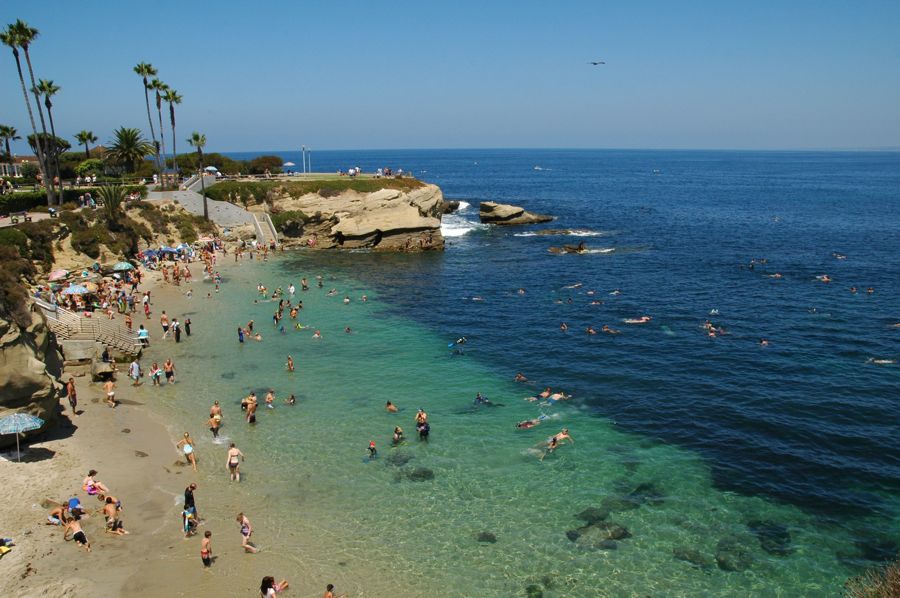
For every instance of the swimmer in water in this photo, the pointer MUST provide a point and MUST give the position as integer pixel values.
(398, 435)
(372, 450)
(290, 363)
(346, 300)
(590, 330)
(317, 334)
(258, 337)
(615, 292)
(596, 303)
(640, 320)
(555, 441)
(823, 278)
(763, 342)
(520, 377)
(564, 327)
(881, 361)
(390, 407)
(528, 423)
(347, 330)
(481, 400)
(609, 330)
(853, 290)
(545, 393)
(776, 275)
(291, 400)
(870, 291)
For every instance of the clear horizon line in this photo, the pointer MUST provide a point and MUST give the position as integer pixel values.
(887, 149)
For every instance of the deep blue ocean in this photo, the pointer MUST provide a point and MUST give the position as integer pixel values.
(808, 420)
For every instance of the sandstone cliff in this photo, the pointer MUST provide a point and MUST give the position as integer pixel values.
(492, 212)
(30, 364)
(386, 219)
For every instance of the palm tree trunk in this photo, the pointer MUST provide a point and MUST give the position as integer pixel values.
(87, 151)
(174, 153)
(38, 149)
(203, 185)
(51, 189)
(162, 139)
(9, 156)
(152, 132)
(55, 153)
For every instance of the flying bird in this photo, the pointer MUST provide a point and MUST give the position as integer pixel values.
(596, 62)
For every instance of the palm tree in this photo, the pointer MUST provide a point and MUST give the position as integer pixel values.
(145, 70)
(198, 141)
(12, 37)
(8, 133)
(160, 88)
(48, 89)
(128, 148)
(112, 196)
(173, 98)
(27, 35)
(85, 138)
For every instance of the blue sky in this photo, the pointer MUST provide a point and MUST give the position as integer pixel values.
(274, 75)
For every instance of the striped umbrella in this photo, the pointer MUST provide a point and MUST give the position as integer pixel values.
(18, 423)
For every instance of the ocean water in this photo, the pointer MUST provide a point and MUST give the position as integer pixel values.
(779, 460)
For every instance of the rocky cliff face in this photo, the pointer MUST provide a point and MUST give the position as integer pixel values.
(30, 365)
(388, 219)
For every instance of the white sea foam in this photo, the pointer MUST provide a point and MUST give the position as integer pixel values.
(575, 232)
(457, 226)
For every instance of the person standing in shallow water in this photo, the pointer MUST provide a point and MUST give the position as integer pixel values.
(206, 549)
(246, 532)
(233, 463)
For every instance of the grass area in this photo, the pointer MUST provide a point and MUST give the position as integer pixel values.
(255, 192)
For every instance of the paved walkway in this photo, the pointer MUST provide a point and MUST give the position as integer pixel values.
(222, 213)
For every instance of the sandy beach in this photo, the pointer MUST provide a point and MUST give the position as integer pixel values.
(134, 452)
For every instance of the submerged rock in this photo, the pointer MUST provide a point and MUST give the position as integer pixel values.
(731, 555)
(420, 474)
(229, 375)
(398, 459)
(592, 515)
(773, 537)
(492, 212)
(692, 556)
(598, 535)
(449, 206)
(534, 591)
(486, 537)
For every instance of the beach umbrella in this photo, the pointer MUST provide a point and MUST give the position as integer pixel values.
(211, 169)
(18, 423)
(121, 266)
(75, 289)
(288, 164)
(168, 250)
(57, 274)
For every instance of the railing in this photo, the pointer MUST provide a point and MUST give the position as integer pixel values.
(66, 324)
(271, 226)
(260, 232)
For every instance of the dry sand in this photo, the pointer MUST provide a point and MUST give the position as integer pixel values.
(135, 455)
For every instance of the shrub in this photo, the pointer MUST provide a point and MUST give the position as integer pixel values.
(13, 237)
(289, 222)
(12, 292)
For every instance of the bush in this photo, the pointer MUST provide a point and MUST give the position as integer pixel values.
(289, 222)
(29, 200)
(13, 237)
(12, 292)
(258, 191)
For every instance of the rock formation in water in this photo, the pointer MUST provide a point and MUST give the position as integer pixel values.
(449, 206)
(492, 212)
(387, 219)
(30, 365)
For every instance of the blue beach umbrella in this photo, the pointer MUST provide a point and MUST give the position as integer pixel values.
(122, 266)
(167, 250)
(75, 289)
(18, 423)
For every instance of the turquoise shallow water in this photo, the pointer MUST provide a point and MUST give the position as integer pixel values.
(777, 459)
(308, 482)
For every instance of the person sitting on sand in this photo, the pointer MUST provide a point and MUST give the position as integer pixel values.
(57, 515)
(269, 589)
(92, 486)
(391, 408)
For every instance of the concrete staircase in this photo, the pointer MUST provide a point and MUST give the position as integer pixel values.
(68, 325)
(265, 229)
